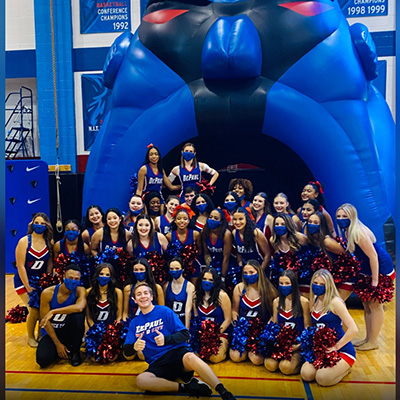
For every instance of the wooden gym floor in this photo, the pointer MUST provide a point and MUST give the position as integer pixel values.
(372, 378)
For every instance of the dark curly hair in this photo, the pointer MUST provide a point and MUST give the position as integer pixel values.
(248, 234)
(247, 186)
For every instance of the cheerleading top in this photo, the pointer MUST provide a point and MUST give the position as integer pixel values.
(152, 181)
(140, 250)
(216, 250)
(287, 318)
(90, 230)
(250, 308)
(188, 240)
(189, 178)
(64, 248)
(103, 312)
(165, 225)
(177, 302)
(58, 320)
(104, 244)
(215, 314)
(384, 260)
(332, 321)
(251, 254)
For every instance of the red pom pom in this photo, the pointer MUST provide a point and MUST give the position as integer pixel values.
(205, 187)
(60, 263)
(256, 327)
(284, 341)
(17, 314)
(290, 260)
(382, 293)
(321, 261)
(345, 268)
(48, 280)
(189, 254)
(209, 339)
(111, 345)
(123, 265)
(325, 338)
(158, 266)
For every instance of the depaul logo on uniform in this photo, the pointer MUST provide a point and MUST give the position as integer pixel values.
(149, 327)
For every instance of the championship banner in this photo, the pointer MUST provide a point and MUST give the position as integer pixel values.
(105, 16)
(95, 103)
(365, 8)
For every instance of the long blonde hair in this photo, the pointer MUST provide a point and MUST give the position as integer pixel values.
(356, 229)
(330, 289)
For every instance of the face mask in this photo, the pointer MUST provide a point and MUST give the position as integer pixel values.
(135, 213)
(207, 286)
(313, 228)
(152, 212)
(140, 276)
(280, 230)
(250, 279)
(187, 155)
(202, 207)
(318, 289)
(242, 197)
(71, 235)
(39, 229)
(285, 290)
(230, 205)
(71, 284)
(213, 223)
(343, 223)
(103, 280)
(176, 274)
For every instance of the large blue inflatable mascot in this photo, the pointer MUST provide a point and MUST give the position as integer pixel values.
(294, 71)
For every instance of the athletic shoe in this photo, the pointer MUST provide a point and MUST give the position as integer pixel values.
(76, 359)
(197, 388)
(227, 396)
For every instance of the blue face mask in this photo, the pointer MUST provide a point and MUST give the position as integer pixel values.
(343, 223)
(250, 279)
(285, 290)
(140, 276)
(71, 284)
(201, 207)
(39, 229)
(213, 223)
(187, 155)
(152, 212)
(313, 228)
(71, 235)
(103, 280)
(318, 289)
(230, 205)
(280, 230)
(207, 285)
(242, 197)
(176, 274)
(135, 213)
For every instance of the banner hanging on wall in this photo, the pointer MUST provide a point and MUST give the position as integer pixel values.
(95, 103)
(105, 16)
(365, 8)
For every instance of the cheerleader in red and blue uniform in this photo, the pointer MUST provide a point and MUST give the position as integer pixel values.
(375, 261)
(244, 189)
(231, 204)
(163, 222)
(72, 241)
(262, 214)
(178, 293)
(329, 310)
(252, 298)
(213, 303)
(289, 308)
(32, 263)
(136, 208)
(282, 206)
(201, 205)
(94, 221)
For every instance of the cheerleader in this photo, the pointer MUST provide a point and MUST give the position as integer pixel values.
(104, 299)
(249, 241)
(151, 175)
(289, 308)
(216, 239)
(136, 207)
(178, 293)
(252, 298)
(308, 208)
(374, 261)
(162, 223)
(152, 202)
(72, 241)
(231, 204)
(262, 214)
(329, 310)
(213, 303)
(33, 256)
(190, 170)
(144, 240)
(201, 205)
(314, 190)
(94, 221)
(282, 206)
(243, 188)
(112, 235)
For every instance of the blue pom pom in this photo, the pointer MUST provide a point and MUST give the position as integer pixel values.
(239, 335)
(94, 337)
(195, 332)
(267, 339)
(133, 183)
(306, 340)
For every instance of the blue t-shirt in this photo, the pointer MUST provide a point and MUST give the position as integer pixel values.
(161, 318)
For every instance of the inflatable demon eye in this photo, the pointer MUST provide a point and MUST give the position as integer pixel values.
(163, 16)
(307, 8)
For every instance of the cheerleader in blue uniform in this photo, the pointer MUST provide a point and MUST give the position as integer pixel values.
(201, 205)
(112, 235)
(329, 310)
(374, 261)
(244, 189)
(144, 240)
(261, 211)
(289, 309)
(282, 206)
(94, 221)
(136, 208)
(249, 241)
(231, 204)
(213, 303)
(33, 258)
(153, 202)
(252, 298)
(178, 293)
(190, 170)
(72, 241)
(217, 242)
(162, 223)
(308, 208)
(151, 175)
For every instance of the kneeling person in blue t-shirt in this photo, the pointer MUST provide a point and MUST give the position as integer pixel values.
(161, 336)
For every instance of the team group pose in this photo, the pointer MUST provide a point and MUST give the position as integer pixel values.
(184, 259)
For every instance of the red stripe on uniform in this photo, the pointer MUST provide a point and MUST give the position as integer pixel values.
(348, 358)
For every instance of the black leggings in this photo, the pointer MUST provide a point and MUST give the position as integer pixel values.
(69, 335)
